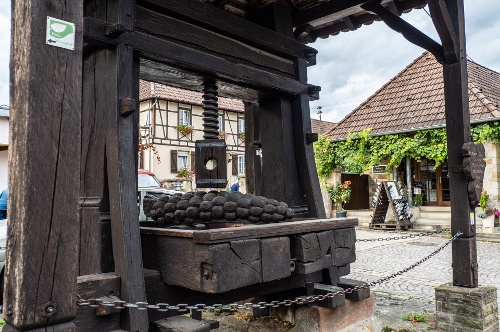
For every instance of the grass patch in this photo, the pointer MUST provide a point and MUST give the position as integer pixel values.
(390, 329)
(414, 317)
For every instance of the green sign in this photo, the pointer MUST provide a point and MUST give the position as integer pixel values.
(60, 33)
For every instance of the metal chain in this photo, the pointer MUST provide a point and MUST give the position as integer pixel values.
(162, 307)
(403, 237)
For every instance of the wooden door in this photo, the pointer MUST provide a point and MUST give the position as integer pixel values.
(360, 199)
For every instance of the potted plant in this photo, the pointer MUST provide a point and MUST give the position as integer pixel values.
(340, 194)
(222, 134)
(487, 214)
(184, 173)
(184, 130)
(417, 203)
(241, 136)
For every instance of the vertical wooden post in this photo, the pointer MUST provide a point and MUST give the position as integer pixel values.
(448, 18)
(253, 163)
(288, 168)
(121, 152)
(44, 161)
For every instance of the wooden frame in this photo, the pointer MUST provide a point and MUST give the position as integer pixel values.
(54, 228)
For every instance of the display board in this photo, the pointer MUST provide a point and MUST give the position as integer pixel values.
(390, 193)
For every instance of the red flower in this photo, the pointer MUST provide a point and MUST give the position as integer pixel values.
(348, 182)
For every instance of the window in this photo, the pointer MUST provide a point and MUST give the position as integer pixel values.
(221, 122)
(241, 125)
(184, 116)
(182, 160)
(241, 164)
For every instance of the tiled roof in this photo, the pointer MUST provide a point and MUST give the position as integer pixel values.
(149, 90)
(414, 100)
(321, 127)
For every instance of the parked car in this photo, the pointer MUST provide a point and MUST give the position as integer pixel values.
(3, 245)
(149, 185)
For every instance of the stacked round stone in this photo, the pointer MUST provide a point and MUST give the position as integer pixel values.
(203, 208)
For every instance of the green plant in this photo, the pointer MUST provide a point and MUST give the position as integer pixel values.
(414, 317)
(2, 322)
(185, 129)
(241, 135)
(483, 200)
(185, 173)
(418, 199)
(360, 150)
(340, 194)
(222, 134)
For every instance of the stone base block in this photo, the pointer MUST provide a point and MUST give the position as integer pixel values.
(354, 314)
(466, 309)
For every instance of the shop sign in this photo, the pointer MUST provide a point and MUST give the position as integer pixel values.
(379, 169)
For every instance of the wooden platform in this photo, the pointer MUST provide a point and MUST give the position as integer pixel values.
(254, 231)
(387, 226)
(220, 260)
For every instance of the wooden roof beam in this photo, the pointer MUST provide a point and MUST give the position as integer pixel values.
(323, 10)
(444, 26)
(412, 34)
(217, 20)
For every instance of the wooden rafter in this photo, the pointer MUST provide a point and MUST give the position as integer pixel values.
(323, 10)
(442, 21)
(412, 34)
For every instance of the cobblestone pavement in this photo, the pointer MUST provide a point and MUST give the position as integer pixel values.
(414, 290)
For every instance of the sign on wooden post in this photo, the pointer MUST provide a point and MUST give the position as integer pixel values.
(473, 166)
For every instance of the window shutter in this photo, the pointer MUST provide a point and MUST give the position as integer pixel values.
(235, 164)
(173, 161)
(192, 160)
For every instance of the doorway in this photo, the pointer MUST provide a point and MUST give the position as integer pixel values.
(434, 181)
(360, 199)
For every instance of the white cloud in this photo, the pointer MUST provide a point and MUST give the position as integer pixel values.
(4, 51)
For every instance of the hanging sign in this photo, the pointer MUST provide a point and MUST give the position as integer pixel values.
(60, 33)
(473, 166)
(379, 169)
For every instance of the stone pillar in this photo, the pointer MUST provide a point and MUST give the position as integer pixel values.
(466, 309)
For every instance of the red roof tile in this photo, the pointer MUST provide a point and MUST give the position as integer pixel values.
(321, 127)
(149, 90)
(414, 100)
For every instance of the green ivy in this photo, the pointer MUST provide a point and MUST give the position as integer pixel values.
(360, 150)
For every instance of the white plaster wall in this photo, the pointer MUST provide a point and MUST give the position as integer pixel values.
(162, 170)
(4, 131)
(3, 169)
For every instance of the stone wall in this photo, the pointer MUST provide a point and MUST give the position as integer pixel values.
(492, 172)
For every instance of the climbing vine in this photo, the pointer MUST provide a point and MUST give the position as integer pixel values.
(360, 150)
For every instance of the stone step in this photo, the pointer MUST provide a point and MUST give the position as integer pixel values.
(435, 215)
(436, 208)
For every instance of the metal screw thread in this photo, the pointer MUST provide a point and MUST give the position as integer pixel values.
(210, 116)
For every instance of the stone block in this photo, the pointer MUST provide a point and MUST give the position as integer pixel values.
(466, 309)
(180, 324)
(316, 319)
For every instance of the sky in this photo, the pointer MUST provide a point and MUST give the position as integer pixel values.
(352, 66)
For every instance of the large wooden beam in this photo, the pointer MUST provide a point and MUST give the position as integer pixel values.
(44, 159)
(169, 28)
(225, 23)
(458, 132)
(161, 50)
(412, 34)
(121, 151)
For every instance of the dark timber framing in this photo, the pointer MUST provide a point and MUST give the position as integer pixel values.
(68, 116)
